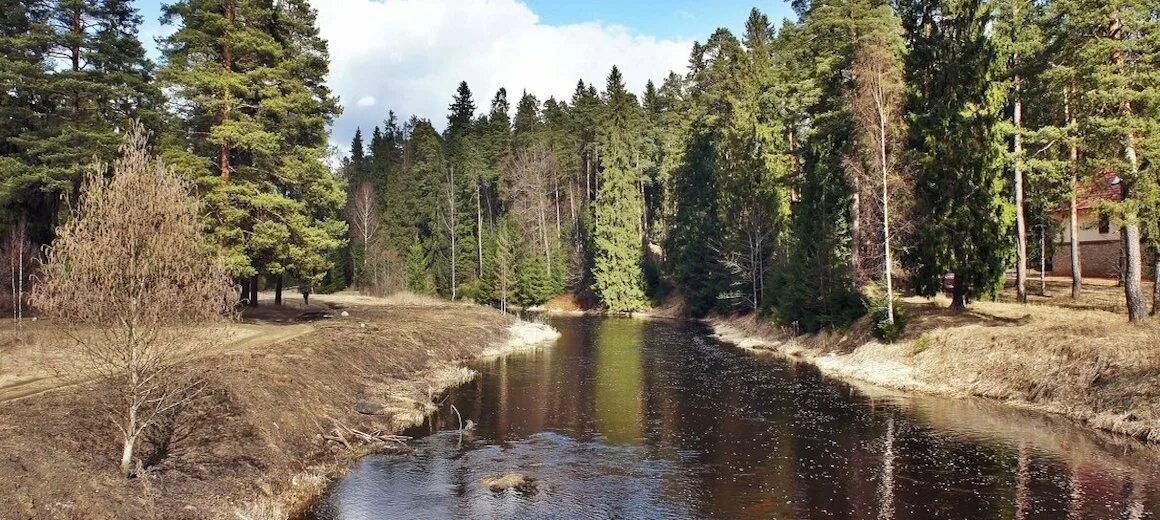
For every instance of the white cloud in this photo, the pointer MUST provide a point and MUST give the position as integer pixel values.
(409, 56)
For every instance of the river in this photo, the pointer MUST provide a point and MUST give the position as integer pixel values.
(628, 418)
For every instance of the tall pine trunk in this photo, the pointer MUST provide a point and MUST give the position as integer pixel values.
(224, 116)
(1133, 294)
(1073, 228)
(479, 226)
(278, 290)
(1020, 218)
(1130, 231)
(254, 291)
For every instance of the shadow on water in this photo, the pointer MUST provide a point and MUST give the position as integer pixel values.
(653, 419)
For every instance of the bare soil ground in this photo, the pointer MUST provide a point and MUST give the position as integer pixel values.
(1077, 358)
(254, 446)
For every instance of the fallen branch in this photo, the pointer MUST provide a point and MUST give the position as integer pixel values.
(343, 434)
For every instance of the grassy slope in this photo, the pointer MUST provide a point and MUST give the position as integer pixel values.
(1056, 355)
(253, 446)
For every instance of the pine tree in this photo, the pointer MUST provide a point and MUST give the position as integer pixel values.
(248, 79)
(1018, 40)
(1115, 46)
(617, 240)
(79, 75)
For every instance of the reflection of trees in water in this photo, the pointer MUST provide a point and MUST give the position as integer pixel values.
(886, 482)
(619, 380)
(685, 425)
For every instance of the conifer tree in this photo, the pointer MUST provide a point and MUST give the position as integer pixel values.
(248, 84)
(616, 236)
(1116, 50)
(956, 148)
(77, 76)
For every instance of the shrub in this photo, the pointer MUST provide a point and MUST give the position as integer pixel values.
(884, 329)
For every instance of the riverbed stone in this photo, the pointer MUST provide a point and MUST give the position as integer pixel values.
(517, 482)
(368, 408)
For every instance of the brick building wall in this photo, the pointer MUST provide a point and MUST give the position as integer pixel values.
(1097, 259)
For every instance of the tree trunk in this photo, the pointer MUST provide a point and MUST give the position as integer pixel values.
(278, 290)
(1020, 218)
(227, 67)
(1042, 261)
(1134, 300)
(1073, 228)
(856, 230)
(129, 443)
(1132, 272)
(556, 182)
(244, 296)
(254, 291)
(889, 260)
(959, 295)
(1155, 280)
(479, 226)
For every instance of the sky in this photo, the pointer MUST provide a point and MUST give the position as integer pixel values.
(409, 55)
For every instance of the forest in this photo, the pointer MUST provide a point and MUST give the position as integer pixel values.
(809, 170)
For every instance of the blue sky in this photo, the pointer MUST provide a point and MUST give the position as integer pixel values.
(408, 55)
(679, 19)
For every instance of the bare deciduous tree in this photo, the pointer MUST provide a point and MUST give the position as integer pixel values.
(18, 253)
(132, 284)
(876, 103)
(530, 182)
(449, 216)
(364, 220)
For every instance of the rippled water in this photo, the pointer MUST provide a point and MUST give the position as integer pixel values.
(653, 419)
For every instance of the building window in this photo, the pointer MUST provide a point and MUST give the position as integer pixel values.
(1105, 225)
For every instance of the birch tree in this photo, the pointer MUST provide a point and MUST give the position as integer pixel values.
(131, 284)
(876, 104)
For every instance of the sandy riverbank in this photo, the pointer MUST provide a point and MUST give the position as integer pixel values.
(1089, 365)
(256, 446)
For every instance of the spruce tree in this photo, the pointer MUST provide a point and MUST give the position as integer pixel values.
(461, 201)
(957, 150)
(616, 236)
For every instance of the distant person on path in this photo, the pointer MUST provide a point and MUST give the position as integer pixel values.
(305, 288)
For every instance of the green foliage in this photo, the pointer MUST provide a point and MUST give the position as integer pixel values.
(419, 278)
(816, 290)
(617, 240)
(253, 100)
(883, 328)
(74, 76)
(535, 284)
(956, 150)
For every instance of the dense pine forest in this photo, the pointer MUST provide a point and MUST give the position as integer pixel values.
(809, 171)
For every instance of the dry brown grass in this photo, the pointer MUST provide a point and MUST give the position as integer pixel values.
(1099, 294)
(1088, 364)
(253, 447)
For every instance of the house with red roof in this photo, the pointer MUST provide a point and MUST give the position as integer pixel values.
(1099, 240)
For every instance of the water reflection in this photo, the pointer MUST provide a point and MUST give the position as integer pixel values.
(618, 399)
(633, 419)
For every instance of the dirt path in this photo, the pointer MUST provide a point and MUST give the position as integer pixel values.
(27, 370)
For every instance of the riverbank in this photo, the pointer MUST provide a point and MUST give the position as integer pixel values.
(1086, 364)
(276, 424)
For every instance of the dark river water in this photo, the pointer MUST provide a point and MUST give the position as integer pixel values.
(640, 419)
